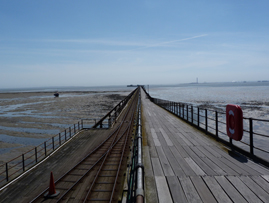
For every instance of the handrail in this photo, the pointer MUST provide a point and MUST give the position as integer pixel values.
(213, 123)
(136, 172)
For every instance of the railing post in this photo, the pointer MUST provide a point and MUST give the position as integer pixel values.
(60, 143)
(53, 143)
(206, 120)
(45, 147)
(7, 171)
(78, 126)
(35, 154)
(65, 134)
(192, 114)
(74, 128)
(82, 123)
(23, 166)
(217, 125)
(251, 136)
(69, 132)
(198, 116)
(183, 111)
(187, 113)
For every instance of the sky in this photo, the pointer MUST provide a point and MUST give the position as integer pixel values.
(98, 43)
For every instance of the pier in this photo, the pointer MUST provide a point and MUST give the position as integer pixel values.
(179, 162)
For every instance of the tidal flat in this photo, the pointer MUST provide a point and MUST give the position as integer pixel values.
(30, 118)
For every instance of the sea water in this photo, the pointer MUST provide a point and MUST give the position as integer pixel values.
(253, 97)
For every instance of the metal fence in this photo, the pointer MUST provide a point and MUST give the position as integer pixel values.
(20, 164)
(255, 142)
(15, 167)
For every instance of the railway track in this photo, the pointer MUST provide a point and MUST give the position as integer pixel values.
(99, 176)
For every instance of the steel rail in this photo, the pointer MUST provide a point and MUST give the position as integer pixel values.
(109, 151)
(86, 157)
(112, 135)
(126, 138)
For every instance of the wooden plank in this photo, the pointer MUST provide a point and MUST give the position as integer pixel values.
(173, 162)
(189, 190)
(261, 182)
(182, 151)
(151, 195)
(266, 177)
(261, 194)
(147, 161)
(176, 189)
(249, 171)
(182, 140)
(209, 162)
(230, 189)
(157, 168)
(181, 161)
(155, 137)
(195, 167)
(214, 166)
(204, 150)
(150, 142)
(202, 189)
(227, 170)
(200, 162)
(257, 167)
(203, 139)
(216, 189)
(166, 137)
(164, 162)
(243, 189)
(161, 139)
(239, 170)
(191, 139)
(163, 190)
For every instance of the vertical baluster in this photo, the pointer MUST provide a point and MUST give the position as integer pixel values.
(217, 127)
(198, 116)
(206, 120)
(23, 165)
(35, 154)
(7, 171)
(251, 136)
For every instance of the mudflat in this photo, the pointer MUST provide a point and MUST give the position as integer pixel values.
(29, 118)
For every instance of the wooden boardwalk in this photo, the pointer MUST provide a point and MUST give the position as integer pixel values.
(183, 164)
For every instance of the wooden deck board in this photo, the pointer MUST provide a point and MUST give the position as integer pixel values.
(205, 171)
(167, 169)
(216, 190)
(243, 189)
(203, 190)
(189, 190)
(230, 189)
(176, 190)
(253, 186)
(157, 168)
(163, 190)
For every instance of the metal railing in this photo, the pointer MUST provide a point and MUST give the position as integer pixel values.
(136, 168)
(254, 144)
(15, 167)
(112, 115)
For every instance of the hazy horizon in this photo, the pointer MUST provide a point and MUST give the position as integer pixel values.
(96, 43)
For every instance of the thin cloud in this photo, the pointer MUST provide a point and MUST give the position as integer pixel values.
(170, 42)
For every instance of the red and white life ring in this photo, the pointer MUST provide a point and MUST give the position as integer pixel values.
(234, 122)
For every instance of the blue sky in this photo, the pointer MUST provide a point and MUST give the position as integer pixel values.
(98, 43)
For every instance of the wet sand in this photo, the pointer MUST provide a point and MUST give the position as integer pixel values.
(29, 118)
